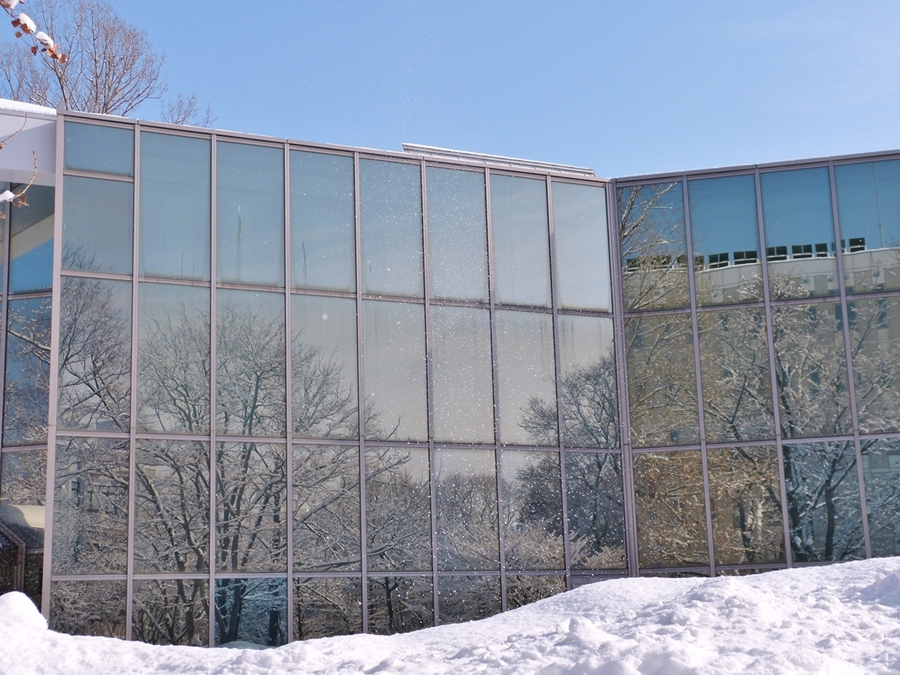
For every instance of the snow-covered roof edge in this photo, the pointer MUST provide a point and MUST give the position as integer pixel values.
(28, 108)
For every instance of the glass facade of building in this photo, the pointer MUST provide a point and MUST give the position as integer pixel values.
(269, 391)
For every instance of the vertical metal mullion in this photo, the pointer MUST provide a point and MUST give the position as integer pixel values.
(213, 355)
(132, 426)
(695, 337)
(289, 397)
(361, 403)
(773, 376)
(560, 421)
(628, 492)
(4, 306)
(848, 355)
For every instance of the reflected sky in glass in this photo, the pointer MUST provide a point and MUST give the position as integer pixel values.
(31, 245)
(868, 197)
(102, 149)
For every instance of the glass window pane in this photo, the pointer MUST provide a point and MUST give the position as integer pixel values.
(521, 244)
(250, 214)
(31, 244)
(171, 612)
(725, 239)
(395, 371)
(582, 249)
(868, 198)
(526, 374)
(91, 147)
(251, 610)
(88, 608)
(173, 359)
(461, 359)
(27, 386)
(734, 368)
(391, 222)
(90, 509)
(671, 517)
(881, 467)
(398, 509)
(23, 495)
(823, 502)
(467, 598)
(661, 385)
(466, 502)
(654, 249)
(175, 206)
(326, 508)
(250, 368)
(251, 493)
(95, 355)
(799, 233)
(97, 240)
(746, 506)
(457, 234)
(171, 519)
(327, 607)
(589, 389)
(875, 334)
(324, 397)
(595, 509)
(522, 590)
(811, 371)
(532, 510)
(400, 604)
(323, 231)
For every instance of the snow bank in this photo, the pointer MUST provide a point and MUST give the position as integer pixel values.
(841, 619)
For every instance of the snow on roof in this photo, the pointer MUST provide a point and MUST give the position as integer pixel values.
(30, 108)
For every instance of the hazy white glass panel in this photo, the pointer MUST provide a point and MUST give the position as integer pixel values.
(457, 234)
(92, 147)
(250, 214)
(589, 391)
(582, 246)
(400, 604)
(323, 234)
(532, 510)
(799, 233)
(175, 206)
(527, 379)
(324, 396)
(97, 239)
(251, 610)
(391, 222)
(395, 371)
(521, 242)
(725, 239)
(250, 363)
(31, 243)
(461, 358)
(173, 359)
(27, 375)
(95, 355)
(868, 198)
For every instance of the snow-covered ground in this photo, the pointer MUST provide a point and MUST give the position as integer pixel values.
(841, 619)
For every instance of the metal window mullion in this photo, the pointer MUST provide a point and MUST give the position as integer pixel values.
(289, 396)
(848, 357)
(695, 338)
(4, 310)
(773, 375)
(628, 489)
(361, 402)
(213, 276)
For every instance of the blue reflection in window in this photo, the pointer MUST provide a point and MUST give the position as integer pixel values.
(31, 247)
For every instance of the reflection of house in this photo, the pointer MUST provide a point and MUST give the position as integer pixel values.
(301, 390)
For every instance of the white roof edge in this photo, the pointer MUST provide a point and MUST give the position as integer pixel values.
(30, 109)
(483, 158)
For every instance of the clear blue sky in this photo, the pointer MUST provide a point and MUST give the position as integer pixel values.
(622, 87)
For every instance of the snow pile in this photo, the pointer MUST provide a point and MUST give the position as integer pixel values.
(841, 619)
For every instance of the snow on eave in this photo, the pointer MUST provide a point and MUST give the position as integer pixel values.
(27, 108)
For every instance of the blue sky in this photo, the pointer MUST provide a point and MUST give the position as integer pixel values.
(621, 87)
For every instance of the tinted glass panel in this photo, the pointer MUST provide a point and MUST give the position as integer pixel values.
(461, 358)
(31, 245)
(595, 510)
(526, 374)
(175, 206)
(251, 610)
(95, 355)
(532, 510)
(171, 612)
(875, 334)
(23, 494)
(250, 214)
(97, 240)
(327, 607)
(400, 604)
(521, 243)
(582, 251)
(27, 372)
(881, 467)
(323, 236)
(457, 234)
(725, 240)
(391, 221)
(522, 590)
(467, 598)
(654, 249)
(90, 147)
(88, 608)
(324, 396)
(395, 371)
